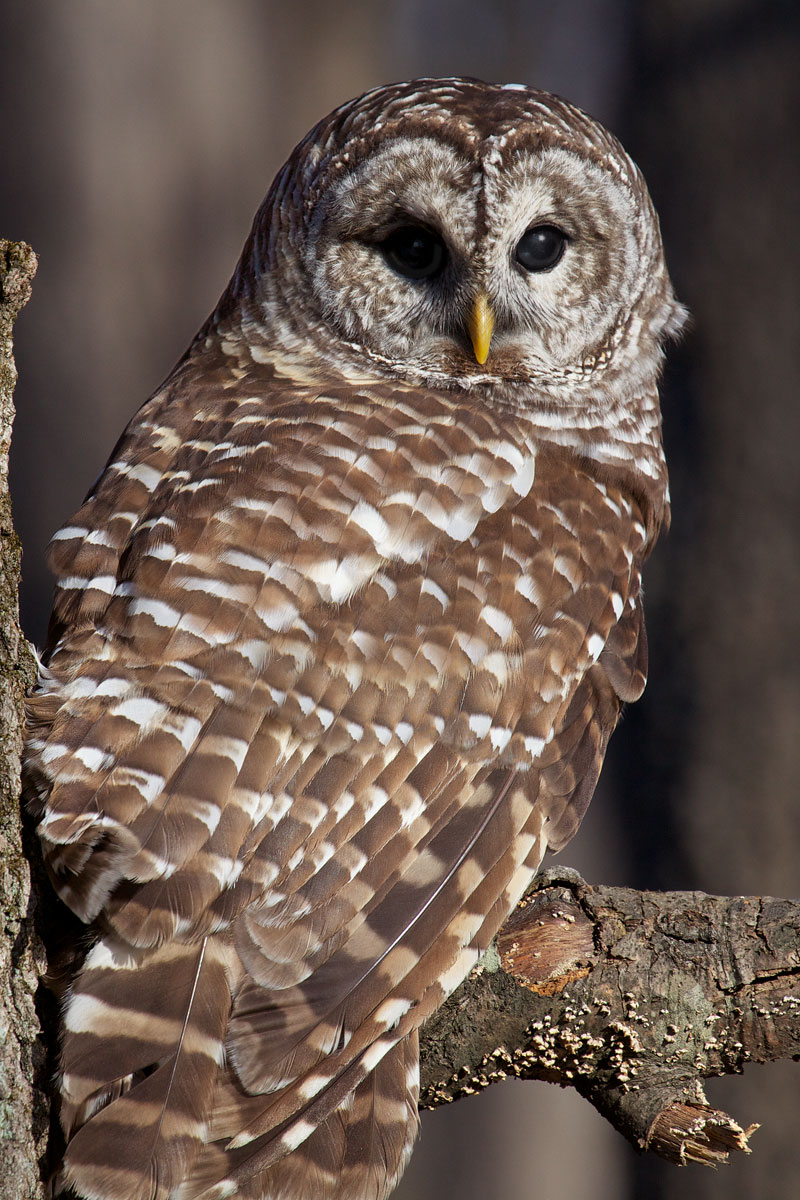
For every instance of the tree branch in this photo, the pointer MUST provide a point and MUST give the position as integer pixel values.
(634, 999)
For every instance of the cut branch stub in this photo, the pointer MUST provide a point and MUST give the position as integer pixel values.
(685, 1133)
(634, 999)
(547, 943)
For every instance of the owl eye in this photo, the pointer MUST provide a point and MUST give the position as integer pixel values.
(415, 252)
(540, 248)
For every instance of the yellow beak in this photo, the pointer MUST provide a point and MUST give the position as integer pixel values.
(481, 327)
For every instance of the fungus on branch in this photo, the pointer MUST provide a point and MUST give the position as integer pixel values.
(634, 999)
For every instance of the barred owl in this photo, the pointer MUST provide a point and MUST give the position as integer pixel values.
(340, 636)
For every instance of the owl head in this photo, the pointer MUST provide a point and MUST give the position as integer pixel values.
(460, 234)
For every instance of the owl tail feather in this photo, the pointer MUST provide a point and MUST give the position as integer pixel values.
(138, 1073)
(358, 1153)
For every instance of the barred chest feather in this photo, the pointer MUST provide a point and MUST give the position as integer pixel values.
(466, 599)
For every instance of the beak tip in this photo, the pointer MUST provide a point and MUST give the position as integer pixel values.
(481, 327)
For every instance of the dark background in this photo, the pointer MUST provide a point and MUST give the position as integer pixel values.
(136, 141)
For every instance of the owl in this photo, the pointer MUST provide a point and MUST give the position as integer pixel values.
(340, 636)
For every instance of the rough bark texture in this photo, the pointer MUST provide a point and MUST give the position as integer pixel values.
(634, 999)
(23, 1108)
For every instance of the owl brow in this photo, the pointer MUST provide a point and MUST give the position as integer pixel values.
(401, 217)
(374, 231)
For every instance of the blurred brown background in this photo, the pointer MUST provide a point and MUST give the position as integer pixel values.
(137, 139)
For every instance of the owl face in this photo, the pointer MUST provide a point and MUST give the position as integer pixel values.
(406, 245)
(481, 235)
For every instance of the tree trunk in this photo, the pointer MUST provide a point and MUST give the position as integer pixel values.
(23, 1106)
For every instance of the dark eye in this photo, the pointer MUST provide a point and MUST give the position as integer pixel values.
(414, 251)
(540, 248)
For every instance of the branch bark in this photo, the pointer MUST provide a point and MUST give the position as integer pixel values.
(634, 999)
